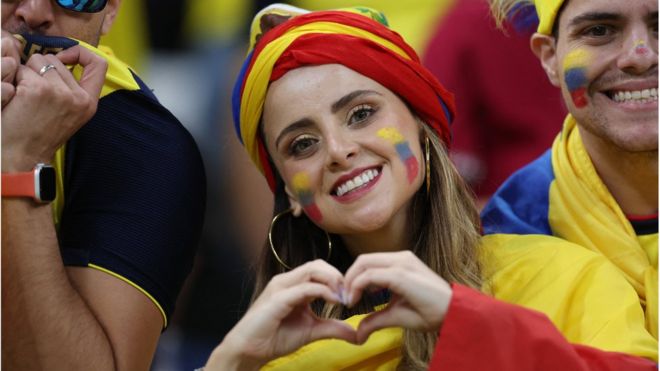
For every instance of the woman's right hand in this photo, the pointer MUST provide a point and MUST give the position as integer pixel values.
(281, 320)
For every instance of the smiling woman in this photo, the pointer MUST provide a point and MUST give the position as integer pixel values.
(352, 134)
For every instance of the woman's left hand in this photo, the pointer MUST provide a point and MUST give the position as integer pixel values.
(420, 298)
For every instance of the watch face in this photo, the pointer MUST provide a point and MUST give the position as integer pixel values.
(47, 184)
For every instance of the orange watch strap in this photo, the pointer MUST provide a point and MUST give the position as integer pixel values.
(18, 184)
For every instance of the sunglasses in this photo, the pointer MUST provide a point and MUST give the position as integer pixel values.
(83, 6)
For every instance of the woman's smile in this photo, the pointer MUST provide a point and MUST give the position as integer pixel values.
(355, 184)
(356, 141)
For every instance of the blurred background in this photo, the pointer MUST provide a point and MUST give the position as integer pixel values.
(189, 52)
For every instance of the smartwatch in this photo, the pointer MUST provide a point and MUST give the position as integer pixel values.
(39, 184)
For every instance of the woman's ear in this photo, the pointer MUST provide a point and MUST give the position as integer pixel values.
(544, 47)
(296, 206)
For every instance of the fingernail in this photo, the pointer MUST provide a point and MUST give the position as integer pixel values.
(349, 298)
(342, 294)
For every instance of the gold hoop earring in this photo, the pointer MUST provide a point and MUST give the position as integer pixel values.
(272, 247)
(428, 166)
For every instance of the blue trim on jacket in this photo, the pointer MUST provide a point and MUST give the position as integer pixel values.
(520, 205)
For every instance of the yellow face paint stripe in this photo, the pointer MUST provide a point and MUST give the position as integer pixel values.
(300, 182)
(392, 135)
(576, 58)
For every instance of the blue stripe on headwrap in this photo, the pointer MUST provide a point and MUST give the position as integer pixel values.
(236, 96)
(445, 109)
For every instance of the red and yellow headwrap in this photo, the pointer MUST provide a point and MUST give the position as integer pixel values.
(351, 37)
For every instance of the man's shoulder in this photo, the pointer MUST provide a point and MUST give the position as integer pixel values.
(129, 130)
(521, 204)
(132, 108)
(129, 88)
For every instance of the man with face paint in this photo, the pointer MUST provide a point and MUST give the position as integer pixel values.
(598, 185)
(93, 258)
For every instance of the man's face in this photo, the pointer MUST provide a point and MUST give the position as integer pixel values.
(45, 17)
(606, 64)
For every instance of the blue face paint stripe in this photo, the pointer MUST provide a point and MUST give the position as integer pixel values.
(306, 198)
(575, 78)
(403, 149)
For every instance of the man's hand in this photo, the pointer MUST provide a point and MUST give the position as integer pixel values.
(10, 61)
(48, 106)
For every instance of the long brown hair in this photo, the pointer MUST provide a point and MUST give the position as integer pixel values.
(445, 225)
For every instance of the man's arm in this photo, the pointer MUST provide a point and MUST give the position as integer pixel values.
(85, 319)
(51, 318)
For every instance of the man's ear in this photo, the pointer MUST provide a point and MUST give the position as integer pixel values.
(110, 13)
(296, 207)
(544, 47)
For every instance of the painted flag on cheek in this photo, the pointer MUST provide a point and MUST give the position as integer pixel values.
(306, 196)
(575, 76)
(403, 150)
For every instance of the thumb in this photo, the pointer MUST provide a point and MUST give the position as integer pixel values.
(94, 68)
(333, 329)
(376, 321)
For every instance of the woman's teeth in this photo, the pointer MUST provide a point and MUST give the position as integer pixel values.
(357, 182)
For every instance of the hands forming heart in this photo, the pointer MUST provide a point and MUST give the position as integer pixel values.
(281, 320)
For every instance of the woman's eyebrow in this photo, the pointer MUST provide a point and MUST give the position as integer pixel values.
(336, 106)
(299, 124)
(346, 99)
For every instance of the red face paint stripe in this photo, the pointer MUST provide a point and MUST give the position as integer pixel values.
(313, 212)
(412, 168)
(579, 97)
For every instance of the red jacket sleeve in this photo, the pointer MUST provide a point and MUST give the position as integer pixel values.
(481, 333)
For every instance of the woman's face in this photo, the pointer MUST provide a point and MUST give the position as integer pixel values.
(347, 148)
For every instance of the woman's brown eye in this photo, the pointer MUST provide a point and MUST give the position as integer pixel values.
(300, 145)
(360, 114)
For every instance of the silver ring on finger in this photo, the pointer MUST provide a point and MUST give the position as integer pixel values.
(46, 68)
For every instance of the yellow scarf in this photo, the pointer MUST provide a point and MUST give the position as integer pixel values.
(583, 211)
(580, 291)
(381, 352)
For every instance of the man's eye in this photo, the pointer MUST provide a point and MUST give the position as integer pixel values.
(598, 31)
(300, 145)
(360, 114)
